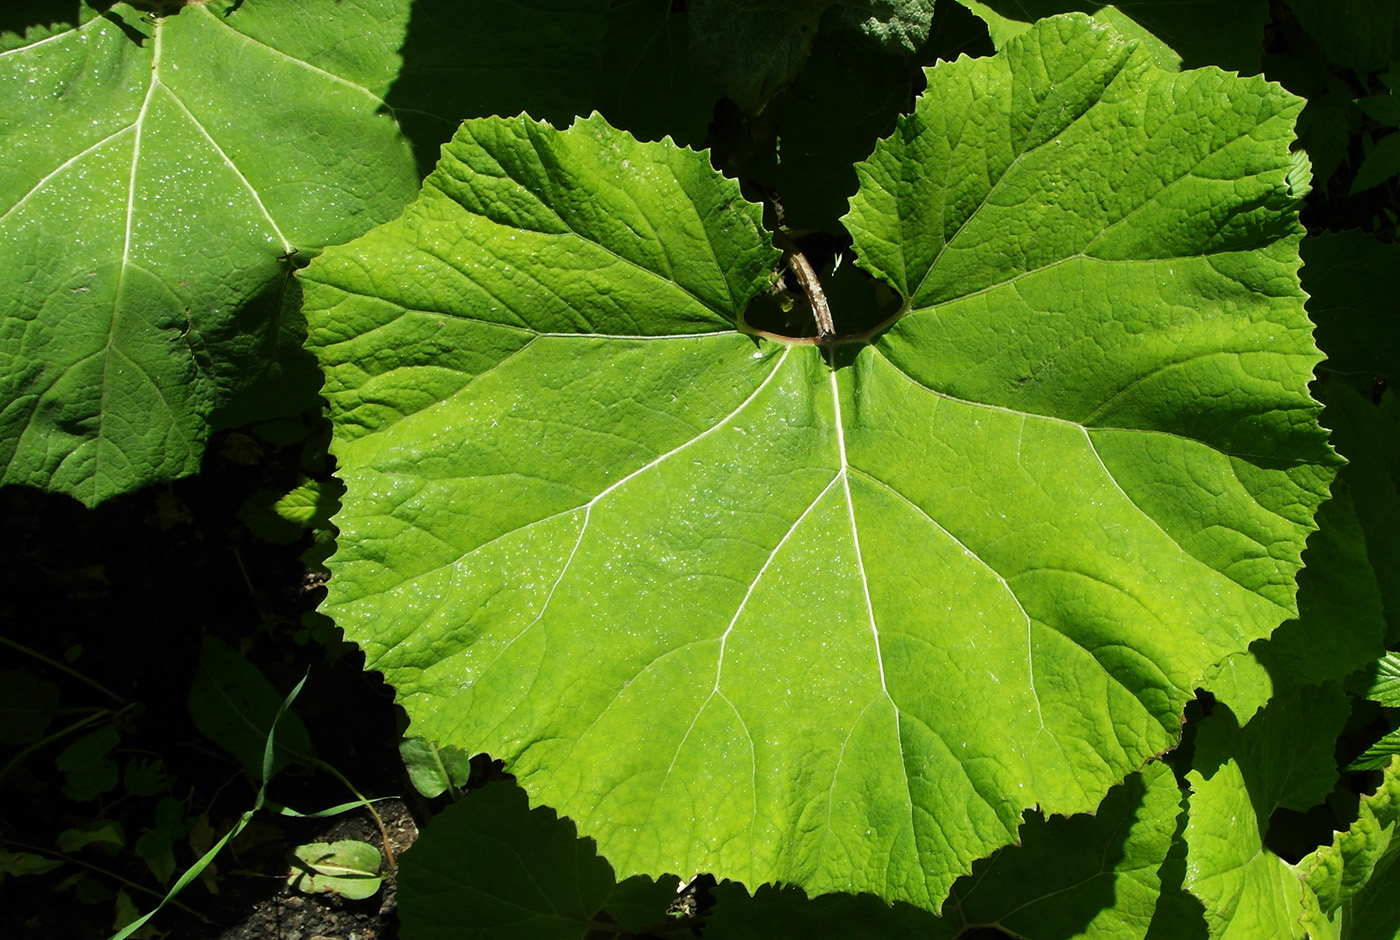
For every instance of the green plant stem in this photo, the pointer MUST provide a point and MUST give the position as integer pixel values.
(65, 668)
(378, 821)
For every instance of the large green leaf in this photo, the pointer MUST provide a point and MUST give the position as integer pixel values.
(156, 171)
(736, 606)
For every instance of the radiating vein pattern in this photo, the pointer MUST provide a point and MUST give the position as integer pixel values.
(149, 192)
(832, 617)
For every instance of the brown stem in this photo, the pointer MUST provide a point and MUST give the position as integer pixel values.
(812, 287)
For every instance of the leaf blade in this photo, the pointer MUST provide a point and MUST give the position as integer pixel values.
(723, 602)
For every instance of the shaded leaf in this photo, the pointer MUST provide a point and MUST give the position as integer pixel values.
(649, 86)
(25, 863)
(752, 49)
(234, 705)
(1384, 109)
(1358, 34)
(1379, 165)
(87, 765)
(491, 866)
(27, 706)
(543, 57)
(156, 173)
(1353, 284)
(846, 98)
(1368, 434)
(98, 832)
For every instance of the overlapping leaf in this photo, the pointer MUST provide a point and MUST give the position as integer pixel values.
(156, 170)
(492, 867)
(737, 606)
(1241, 776)
(1085, 876)
(1351, 888)
(1176, 32)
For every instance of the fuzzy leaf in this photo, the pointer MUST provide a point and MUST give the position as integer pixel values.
(896, 26)
(725, 605)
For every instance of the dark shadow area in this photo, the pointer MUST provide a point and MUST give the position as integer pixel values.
(559, 60)
(1231, 37)
(553, 61)
(1178, 915)
(17, 16)
(803, 148)
(260, 358)
(502, 59)
(859, 303)
(103, 612)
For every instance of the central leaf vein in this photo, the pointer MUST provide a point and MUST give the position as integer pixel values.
(1010, 592)
(845, 477)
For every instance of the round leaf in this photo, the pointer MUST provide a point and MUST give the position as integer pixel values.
(738, 604)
